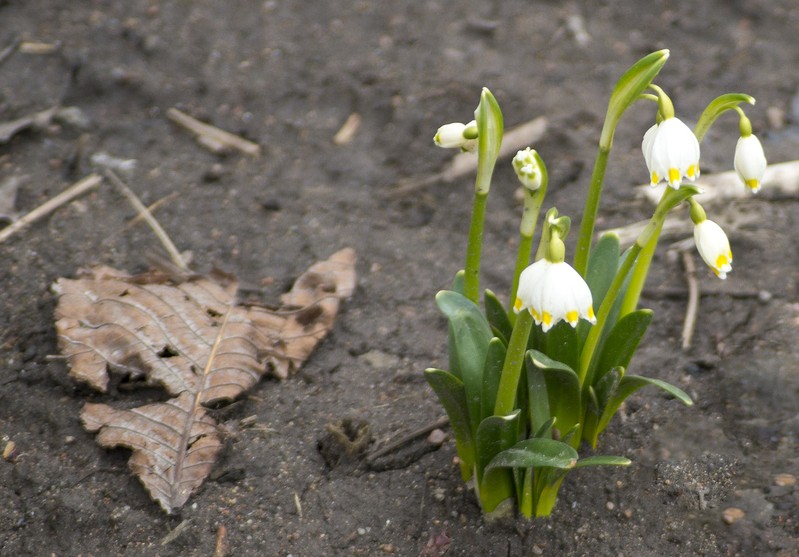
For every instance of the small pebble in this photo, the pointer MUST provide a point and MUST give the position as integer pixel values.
(436, 437)
(733, 514)
(610, 506)
(785, 480)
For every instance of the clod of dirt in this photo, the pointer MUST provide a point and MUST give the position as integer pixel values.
(344, 441)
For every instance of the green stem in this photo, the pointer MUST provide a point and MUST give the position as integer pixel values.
(639, 273)
(583, 248)
(471, 287)
(648, 241)
(604, 311)
(532, 206)
(512, 368)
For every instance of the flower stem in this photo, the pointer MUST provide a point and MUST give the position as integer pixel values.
(595, 333)
(471, 288)
(532, 206)
(583, 248)
(512, 368)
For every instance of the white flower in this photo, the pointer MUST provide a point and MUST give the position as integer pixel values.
(527, 169)
(671, 152)
(750, 162)
(714, 247)
(453, 135)
(552, 292)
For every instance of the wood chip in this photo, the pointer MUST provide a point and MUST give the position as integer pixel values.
(784, 480)
(212, 138)
(348, 130)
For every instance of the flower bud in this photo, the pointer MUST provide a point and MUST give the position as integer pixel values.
(527, 169)
(463, 136)
(750, 162)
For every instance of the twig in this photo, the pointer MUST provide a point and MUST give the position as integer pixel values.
(213, 138)
(176, 532)
(781, 177)
(466, 163)
(173, 252)
(405, 439)
(692, 309)
(221, 547)
(77, 189)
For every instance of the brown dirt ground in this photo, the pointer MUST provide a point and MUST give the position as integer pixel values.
(287, 74)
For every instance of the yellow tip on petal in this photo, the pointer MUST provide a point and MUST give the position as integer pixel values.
(655, 178)
(722, 261)
(674, 176)
(572, 317)
(591, 315)
(691, 172)
(517, 305)
(546, 318)
(753, 184)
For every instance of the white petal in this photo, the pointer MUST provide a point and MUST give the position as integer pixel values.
(714, 247)
(750, 161)
(450, 135)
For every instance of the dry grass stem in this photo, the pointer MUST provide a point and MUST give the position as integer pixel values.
(76, 190)
(170, 247)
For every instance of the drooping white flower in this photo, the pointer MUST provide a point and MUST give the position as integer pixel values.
(554, 292)
(527, 169)
(455, 134)
(714, 247)
(671, 152)
(750, 162)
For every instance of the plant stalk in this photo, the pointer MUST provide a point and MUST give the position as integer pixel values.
(512, 368)
(583, 249)
(471, 288)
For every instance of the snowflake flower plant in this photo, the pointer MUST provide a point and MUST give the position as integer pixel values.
(533, 380)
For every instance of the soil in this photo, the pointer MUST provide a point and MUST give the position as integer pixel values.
(287, 75)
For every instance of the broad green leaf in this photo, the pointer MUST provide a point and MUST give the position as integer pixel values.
(494, 435)
(620, 345)
(492, 371)
(535, 453)
(603, 461)
(452, 396)
(562, 345)
(497, 316)
(627, 386)
(606, 387)
(538, 398)
(563, 390)
(469, 338)
(602, 265)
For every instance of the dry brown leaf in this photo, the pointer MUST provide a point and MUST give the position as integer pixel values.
(193, 339)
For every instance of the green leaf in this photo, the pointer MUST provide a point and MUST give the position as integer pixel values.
(492, 371)
(563, 390)
(469, 338)
(537, 395)
(716, 108)
(628, 90)
(452, 396)
(490, 126)
(603, 461)
(458, 283)
(602, 266)
(535, 453)
(546, 429)
(561, 343)
(620, 345)
(627, 386)
(497, 316)
(494, 435)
